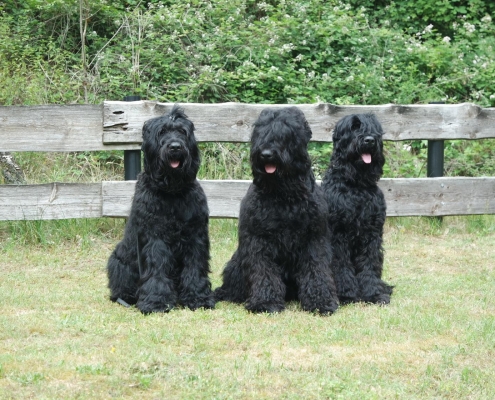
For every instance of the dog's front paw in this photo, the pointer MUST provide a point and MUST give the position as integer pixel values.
(268, 307)
(326, 308)
(154, 308)
(207, 303)
(382, 299)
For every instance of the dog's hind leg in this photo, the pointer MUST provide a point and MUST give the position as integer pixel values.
(233, 287)
(123, 274)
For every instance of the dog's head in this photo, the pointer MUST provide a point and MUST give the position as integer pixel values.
(358, 145)
(171, 154)
(279, 145)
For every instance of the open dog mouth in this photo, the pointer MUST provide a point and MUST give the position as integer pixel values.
(270, 168)
(175, 164)
(366, 157)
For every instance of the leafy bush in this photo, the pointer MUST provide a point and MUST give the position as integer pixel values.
(272, 51)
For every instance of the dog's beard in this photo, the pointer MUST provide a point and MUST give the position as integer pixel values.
(173, 160)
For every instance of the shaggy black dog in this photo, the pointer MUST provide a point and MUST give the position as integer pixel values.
(284, 252)
(163, 259)
(357, 209)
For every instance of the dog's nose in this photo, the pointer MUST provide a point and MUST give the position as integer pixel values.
(174, 146)
(369, 140)
(266, 154)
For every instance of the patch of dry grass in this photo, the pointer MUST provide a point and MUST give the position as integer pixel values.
(61, 338)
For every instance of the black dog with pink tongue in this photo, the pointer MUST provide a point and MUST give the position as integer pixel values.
(357, 209)
(163, 259)
(284, 250)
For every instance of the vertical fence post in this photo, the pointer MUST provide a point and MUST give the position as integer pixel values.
(132, 158)
(435, 158)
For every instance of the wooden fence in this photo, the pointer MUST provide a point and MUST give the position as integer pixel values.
(116, 125)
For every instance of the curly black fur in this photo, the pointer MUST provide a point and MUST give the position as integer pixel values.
(163, 259)
(284, 252)
(357, 209)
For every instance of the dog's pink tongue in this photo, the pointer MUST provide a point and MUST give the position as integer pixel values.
(174, 164)
(366, 158)
(270, 168)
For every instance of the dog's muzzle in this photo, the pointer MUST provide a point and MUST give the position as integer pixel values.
(369, 144)
(174, 154)
(267, 158)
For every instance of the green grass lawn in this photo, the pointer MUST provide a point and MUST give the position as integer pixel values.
(61, 338)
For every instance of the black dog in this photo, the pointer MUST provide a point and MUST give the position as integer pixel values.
(357, 209)
(284, 252)
(163, 258)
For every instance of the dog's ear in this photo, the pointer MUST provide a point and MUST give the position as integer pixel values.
(307, 130)
(375, 124)
(145, 133)
(349, 123)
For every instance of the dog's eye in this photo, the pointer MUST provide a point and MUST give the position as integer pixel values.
(182, 131)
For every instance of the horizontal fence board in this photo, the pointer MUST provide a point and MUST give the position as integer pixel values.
(405, 197)
(118, 124)
(439, 196)
(50, 201)
(232, 122)
(75, 127)
(224, 197)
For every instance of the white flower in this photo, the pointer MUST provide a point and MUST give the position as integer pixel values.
(469, 27)
(287, 47)
(486, 19)
(428, 29)
(446, 39)
(262, 5)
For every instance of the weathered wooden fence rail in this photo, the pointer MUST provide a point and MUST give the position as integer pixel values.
(116, 125)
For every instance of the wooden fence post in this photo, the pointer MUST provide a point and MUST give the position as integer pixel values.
(132, 158)
(435, 159)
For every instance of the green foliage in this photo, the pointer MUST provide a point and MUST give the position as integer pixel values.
(469, 158)
(280, 51)
(413, 16)
(284, 51)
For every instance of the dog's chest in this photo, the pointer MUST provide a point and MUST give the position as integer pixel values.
(171, 215)
(351, 205)
(281, 217)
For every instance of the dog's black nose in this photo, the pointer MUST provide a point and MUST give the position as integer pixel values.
(174, 146)
(266, 154)
(369, 140)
